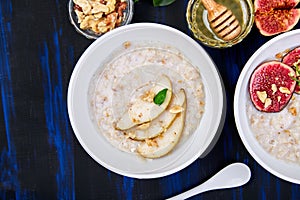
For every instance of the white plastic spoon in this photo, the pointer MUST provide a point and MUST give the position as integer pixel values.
(234, 175)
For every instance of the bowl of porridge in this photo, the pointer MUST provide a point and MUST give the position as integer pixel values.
(144, 106)
(267, 106)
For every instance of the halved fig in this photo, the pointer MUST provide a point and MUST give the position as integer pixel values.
(271, 86)
(276, 16)
(143, 109)
(165, 142)
(160, 124)
(292, 59)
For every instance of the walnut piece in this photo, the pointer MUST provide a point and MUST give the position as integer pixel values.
(268, 102)
(262, 96)
(284, 90)
(274, 88)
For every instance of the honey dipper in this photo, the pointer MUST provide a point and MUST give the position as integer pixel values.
(222, 20)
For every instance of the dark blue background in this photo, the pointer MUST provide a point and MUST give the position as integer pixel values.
(40, 158)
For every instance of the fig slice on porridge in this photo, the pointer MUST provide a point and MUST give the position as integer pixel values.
(271, 86)
(143, 109)
(160, 124)
(166, 141)
(292, 58)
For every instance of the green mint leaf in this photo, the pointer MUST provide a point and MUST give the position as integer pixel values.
(162, 2)
(160, 97)
(297, 69)
(297, 80)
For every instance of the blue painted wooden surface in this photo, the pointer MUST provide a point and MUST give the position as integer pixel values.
(40, 157)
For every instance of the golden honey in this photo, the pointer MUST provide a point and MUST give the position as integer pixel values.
(198, 23)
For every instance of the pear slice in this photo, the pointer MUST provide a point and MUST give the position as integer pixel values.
(160, 124)
(143, 109)
(164, 143)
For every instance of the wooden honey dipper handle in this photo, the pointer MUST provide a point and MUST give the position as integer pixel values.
(222, 20)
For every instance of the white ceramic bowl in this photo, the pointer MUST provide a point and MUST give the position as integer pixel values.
(279, 168)
(197, 145)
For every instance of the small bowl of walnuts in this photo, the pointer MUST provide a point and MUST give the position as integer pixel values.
(93, 18)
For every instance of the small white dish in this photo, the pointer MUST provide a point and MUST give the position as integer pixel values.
(282, 169)
(131, 165)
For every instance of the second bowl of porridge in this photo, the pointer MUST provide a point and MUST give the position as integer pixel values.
(267, 106)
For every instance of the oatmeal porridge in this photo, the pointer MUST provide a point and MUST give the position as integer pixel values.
(278, 133)
(133, 72)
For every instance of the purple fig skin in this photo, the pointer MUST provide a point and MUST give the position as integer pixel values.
(276, 16)
(290, 58)
(276, 80)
